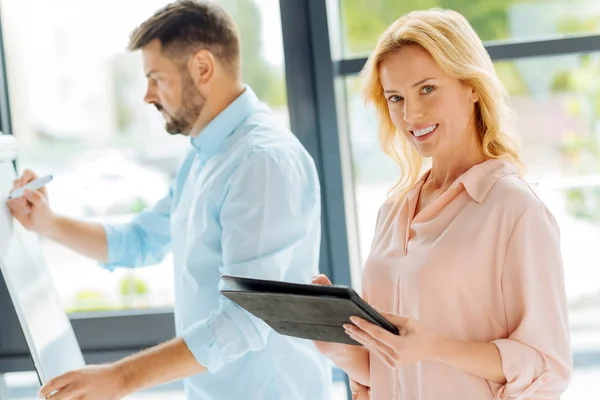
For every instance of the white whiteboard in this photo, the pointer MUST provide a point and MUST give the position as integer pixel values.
(46, 326)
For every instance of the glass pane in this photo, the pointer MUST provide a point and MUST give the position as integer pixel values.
(557, 104)
(364, 20)
(78, 113)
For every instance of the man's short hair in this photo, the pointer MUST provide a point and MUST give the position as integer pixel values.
(186, 26)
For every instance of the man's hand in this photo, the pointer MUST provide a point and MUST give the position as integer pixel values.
(154, 366)
(102, 382)
(32, 210)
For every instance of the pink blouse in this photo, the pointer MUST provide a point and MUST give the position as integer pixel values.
(481, 263)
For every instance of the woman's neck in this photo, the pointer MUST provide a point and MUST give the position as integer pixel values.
(445, 170)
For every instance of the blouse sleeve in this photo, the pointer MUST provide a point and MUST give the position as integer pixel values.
(536, 356)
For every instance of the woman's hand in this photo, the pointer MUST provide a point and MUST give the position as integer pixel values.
(354, 360)
(321, 279)
(325, 347)
(414, 343)
(359, 392)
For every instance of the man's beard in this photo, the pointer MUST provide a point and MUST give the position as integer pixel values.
(192, 103)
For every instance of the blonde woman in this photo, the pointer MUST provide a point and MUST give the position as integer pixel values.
(465, 259)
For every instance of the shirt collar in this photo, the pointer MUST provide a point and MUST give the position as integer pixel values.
(209, 140)
(479, 179)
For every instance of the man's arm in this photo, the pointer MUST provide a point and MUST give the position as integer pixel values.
(34, 213)
(86, 238)
(270, 230)
(164, 363)
(143, 241)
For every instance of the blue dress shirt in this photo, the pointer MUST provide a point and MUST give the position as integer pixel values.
(245, 201)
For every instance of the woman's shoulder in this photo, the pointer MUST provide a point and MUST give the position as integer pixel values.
(391, 203)
(513, 194)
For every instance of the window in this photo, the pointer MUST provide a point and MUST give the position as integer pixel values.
(364, 20)
(78, 113)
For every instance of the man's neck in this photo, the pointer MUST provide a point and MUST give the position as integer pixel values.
(216, 105)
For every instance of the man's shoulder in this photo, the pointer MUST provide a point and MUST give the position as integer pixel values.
(265, 136)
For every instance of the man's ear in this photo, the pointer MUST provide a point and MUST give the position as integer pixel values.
(202, 66)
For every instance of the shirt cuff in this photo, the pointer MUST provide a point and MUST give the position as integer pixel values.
(219, 340)
(520, 366)
(203, 344)
(115, 234)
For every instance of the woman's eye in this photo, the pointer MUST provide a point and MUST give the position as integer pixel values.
(395, 98)
(427, 89)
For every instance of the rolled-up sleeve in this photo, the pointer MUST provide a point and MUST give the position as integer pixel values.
(145, 240)
(272, 204)
(536, 357)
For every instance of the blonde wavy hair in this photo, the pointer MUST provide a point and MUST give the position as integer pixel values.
(456, 48)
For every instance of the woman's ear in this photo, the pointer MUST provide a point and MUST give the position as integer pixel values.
(473, 95)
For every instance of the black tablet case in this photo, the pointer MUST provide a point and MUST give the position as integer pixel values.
(306, 311)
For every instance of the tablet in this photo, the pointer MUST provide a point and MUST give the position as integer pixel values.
(306, 311)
